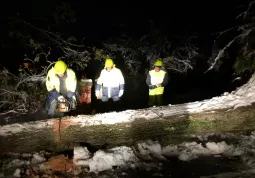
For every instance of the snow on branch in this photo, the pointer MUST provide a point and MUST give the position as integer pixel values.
(221, 53)
(132, 51)
(176, 57)
(20, 94)
(26, 92)
(74, 54)
(247, 12)
(175, 64)
(243, 31)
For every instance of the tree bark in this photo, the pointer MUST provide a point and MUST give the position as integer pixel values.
(65, 133)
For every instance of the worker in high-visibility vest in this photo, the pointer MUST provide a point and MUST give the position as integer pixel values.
(156, 80)
(61, 83)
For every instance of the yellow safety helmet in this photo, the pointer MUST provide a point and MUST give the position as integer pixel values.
(158, 63)
(108, 63)
(60, 67)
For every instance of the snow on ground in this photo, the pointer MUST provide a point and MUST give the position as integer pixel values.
(243, 96)
(104, 160)
(144, 154)
(186, 151)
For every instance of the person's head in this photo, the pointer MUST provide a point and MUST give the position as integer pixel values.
(157, 65)
(108, 64)
(60, 68)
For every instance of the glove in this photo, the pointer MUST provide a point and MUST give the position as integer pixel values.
(159, 85)
(153, 87)
(61, 97)
(97, 93)
(121, 93)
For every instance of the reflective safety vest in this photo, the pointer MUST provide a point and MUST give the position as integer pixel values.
(156, 78)
(52, 81)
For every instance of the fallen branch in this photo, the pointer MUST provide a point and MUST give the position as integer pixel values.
(18, 109)
(15, 93)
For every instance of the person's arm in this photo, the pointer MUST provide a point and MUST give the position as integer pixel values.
(121, 80)
(99, 81)
(121, 83)
(148, 79)
(165, 80)
(50, 85)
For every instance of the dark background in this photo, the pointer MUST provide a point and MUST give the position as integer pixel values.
(98, 21)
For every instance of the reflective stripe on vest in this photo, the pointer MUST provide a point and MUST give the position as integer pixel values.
(157, 77)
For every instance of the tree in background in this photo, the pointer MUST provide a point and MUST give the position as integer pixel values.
(239, 44)
(44, 43)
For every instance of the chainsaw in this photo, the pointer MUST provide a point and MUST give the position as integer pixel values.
(63, 105)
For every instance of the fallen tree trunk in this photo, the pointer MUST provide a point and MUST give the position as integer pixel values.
(65, 133)
(229, 112)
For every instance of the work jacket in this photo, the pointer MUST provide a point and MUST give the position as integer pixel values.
(52, 81)
(112, 82)
(53, 86)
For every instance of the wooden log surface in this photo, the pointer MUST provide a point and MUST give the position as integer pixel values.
(121, 128)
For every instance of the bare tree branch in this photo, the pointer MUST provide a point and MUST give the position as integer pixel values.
(19, 109)
(222, 52)
(16, 93)
(247, 11)
(244, 31)
(175, 58)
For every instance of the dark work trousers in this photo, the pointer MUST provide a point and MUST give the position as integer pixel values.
(108, 106)
(156, 100)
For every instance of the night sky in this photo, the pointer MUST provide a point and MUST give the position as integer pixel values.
(97, 19)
